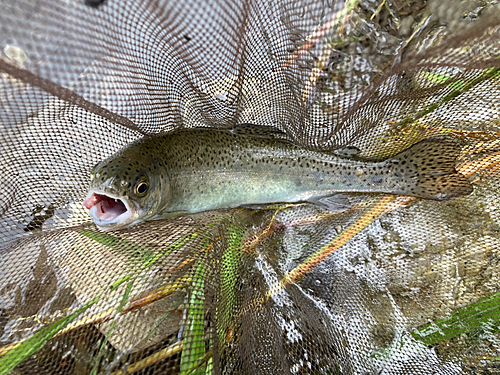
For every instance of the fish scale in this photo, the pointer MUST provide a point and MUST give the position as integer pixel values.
(205, 169)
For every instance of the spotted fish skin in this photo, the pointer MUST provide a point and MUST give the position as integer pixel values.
(204, 169)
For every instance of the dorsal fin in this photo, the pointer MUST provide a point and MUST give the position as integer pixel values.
(258, 131)
(347, 152)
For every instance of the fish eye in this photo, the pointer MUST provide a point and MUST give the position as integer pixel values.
(141, 188)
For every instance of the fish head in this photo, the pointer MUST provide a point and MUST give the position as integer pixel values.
(126, 190)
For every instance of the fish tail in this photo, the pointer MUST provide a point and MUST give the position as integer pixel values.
(429, 169)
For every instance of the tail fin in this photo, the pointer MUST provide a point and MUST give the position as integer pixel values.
(430, 164)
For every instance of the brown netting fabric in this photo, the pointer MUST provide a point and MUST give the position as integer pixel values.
(390, 285)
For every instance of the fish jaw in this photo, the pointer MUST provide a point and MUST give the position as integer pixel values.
(111, 212)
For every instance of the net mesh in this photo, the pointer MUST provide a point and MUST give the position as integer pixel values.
(393, 285)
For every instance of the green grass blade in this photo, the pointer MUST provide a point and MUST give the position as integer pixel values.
(176, 245)
(228, 277)
(124, 300)
(468, 320)
(194, 341)
(13, 358)
(118, 244)
(458, 87)
(148, 257)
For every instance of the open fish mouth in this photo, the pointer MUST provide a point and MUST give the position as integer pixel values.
(110, 212)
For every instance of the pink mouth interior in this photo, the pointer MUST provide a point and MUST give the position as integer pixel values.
(106, 208)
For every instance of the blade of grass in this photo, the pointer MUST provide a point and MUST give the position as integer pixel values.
(113, 242)
(379, 9)
(456, 91)
(312, 39)
(486, 165)
(228, 272)
(38, 340)
(380, 207)
(126, 294)
(339, 18)
(152, 359)
(176, 245)
(468, 320)
(194, 340)
(197, 366)
(118, 243)
(160, 293)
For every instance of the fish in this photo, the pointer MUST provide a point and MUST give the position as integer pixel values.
(196, 170)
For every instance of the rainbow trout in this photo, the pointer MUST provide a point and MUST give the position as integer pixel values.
(205, 169)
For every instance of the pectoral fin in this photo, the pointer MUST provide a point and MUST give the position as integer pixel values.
(333, 203)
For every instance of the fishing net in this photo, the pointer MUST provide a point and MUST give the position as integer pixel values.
(390, 285)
